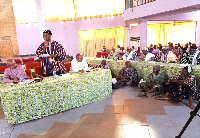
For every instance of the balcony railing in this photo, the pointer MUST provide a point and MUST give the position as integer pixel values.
(135, 3)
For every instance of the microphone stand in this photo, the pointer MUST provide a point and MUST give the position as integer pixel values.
(192, 115)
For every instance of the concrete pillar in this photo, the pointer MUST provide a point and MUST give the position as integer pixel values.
(143, 33)
(198, 33)
(41, 18)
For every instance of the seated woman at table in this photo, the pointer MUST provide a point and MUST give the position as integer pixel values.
(128, 76)
(114, 55)
(155, 82)
(179, 84)
(14, 72)
(103, 65)
(79, 64)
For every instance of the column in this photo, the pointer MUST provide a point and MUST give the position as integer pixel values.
(198, 33)
(143, 33)
(41, 18)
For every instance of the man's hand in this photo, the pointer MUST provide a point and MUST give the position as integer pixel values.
(16, 80)
(81, 71)
(52, 55)
(44, 48)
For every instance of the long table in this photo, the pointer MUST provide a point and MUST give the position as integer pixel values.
(145, 68)
(1, 79)
(24, 102)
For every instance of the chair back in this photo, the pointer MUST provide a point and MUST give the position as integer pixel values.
(38, 71)
(121, 53)
(18, 61)
(3, 68)
(32, 65)
(27, 60)
(67, 66)
(28, 73)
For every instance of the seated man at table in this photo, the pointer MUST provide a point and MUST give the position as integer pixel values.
(79, 64)
(128, 75)
(14, 72)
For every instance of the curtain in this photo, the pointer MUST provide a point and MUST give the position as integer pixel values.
(92, 41)
(174, 32)
(59, 10)
(87, 8)
(70, 10)
(25, 11)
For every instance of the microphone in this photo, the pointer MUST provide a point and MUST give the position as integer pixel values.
(45, 43)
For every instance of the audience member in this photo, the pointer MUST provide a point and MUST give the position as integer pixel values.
(128, 75)
(193, 57)
(155, 81)
(118, 48)
(114, 55)
(104, 49)
(103, 65)
(123, 50)
(132, 55)
(143, 55)
(179, 83)
(149, 55)
(155, 49)
(162, 56)
(171, 57)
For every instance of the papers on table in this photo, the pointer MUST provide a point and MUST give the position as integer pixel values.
(44, 55)
(65, 75)
(25, 81)
(152, 62)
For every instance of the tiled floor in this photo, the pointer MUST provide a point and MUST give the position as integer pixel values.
(123, 115)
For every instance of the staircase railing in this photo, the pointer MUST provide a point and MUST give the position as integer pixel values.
(135, 3)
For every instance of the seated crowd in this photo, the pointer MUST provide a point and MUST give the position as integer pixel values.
(189, 54)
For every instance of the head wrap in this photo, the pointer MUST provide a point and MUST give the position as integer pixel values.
(157, 67)
(48, 32)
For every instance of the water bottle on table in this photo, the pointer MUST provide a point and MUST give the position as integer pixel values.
(54, 73)
(21, 78)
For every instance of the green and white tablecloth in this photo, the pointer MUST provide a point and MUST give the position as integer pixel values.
(145, 68)
(24, 102)
(1, 79)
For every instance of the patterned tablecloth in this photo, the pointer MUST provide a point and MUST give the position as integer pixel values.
(24, 102)
(145, 68)
(1, 78)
